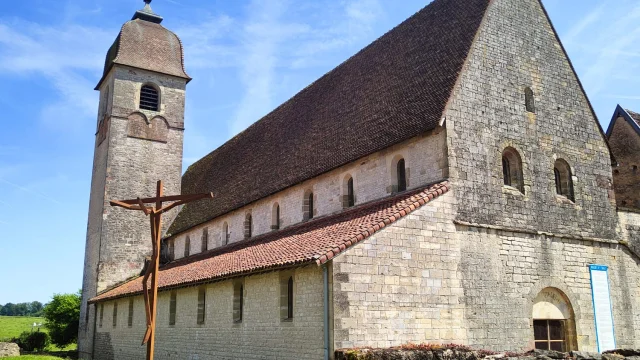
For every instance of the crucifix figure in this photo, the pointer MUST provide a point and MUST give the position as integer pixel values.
(155, 212)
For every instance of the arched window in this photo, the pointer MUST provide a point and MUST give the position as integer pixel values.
(205, 240)
(529, 100)
(275, 217)
(553, 321)
(225, 233)
(401, 175)
(348, 197)
(247, 226)
(187, 247)
(149, 99)
(512, 169)
(307, 207)
(564, 182)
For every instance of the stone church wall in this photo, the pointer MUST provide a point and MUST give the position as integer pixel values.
(503, 271)
(425, 160)
(516, 48)
(403, 284)
(260, 335)
(426, 279)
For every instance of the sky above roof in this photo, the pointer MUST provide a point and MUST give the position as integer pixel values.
(245, 57)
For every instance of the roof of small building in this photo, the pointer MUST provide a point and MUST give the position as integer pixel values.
(316, 241)
(394, 89)
(146, 45)
(633, 118)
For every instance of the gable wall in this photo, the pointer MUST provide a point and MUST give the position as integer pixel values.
(426, 163)
(625, 145)
(516, 48)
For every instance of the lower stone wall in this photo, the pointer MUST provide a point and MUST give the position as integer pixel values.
(261, 334)
(431, 278)
(503, 272)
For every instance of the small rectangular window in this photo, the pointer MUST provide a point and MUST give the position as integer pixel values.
(238, 301)
(172, 249)
(101, 314)
(201, 305)
(172, 308)
(130, 318)
(115, 313)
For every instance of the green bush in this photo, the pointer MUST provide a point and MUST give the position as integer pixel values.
(32, 341)
(62, 316)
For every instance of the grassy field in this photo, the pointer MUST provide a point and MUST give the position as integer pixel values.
(13, 326)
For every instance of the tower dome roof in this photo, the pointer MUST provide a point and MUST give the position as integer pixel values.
(147, 45)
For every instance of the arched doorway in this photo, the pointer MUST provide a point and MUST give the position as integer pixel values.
(553, 321)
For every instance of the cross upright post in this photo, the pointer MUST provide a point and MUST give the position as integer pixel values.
(152, 267)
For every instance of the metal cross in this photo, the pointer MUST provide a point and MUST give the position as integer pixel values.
(151, 295)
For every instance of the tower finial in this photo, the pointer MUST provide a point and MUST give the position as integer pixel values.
(147, 14)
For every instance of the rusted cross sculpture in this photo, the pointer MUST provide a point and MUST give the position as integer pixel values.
(151, 295)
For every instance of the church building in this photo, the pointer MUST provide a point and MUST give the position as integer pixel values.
(449, 183)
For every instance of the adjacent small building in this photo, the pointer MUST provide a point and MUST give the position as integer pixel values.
(624, 139)
(449, 183)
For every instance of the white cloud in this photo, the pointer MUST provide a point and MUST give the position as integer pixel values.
(67, 57)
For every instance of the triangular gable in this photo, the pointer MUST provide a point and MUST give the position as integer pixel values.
(621, 112)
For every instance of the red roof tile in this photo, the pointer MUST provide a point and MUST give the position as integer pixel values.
(317, 241)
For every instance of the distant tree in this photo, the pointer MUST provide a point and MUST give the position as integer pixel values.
(7, 309)
(21, 309)
(62, 316)
(35, 308)
(1, 306)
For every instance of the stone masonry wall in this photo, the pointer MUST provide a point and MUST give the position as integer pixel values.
(516, 48)
(403, 284)
(625, 145)
(426, 279)
(125, 167)
(260, 335)
(425, 159)
(503, 271)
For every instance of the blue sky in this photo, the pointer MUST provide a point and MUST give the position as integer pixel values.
(246, 57)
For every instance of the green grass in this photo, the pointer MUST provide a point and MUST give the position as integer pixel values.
(13, 326)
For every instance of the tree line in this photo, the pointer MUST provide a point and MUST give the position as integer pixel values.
(33, 308)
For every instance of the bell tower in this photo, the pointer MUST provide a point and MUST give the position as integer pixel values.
(138, 140)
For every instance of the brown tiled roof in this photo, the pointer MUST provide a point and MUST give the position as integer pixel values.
(392, 90)
(634, 115)
(146, 45)
(316, 241)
